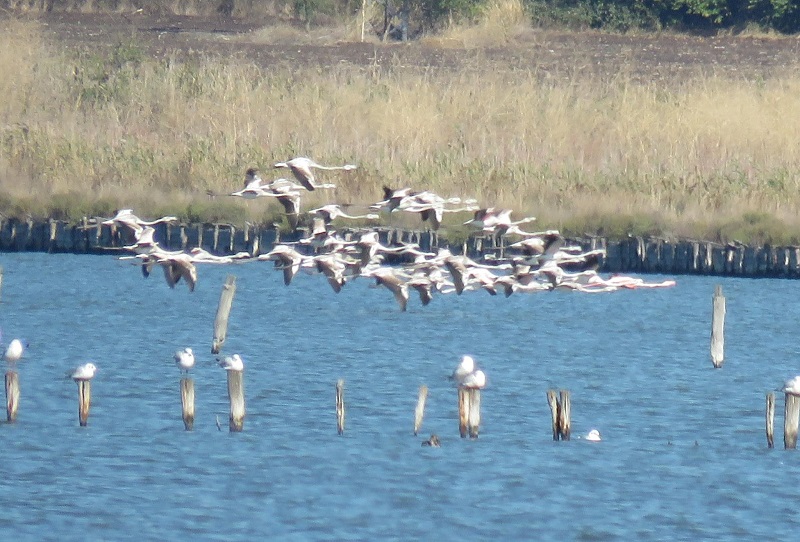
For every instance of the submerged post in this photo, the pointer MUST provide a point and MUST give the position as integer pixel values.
(419, 412)
(474, 421)
(187, 402)
(236, 397)
(12, 394)
(340, 406)
(718, 328)
(223, 311)
(791, 414)
(84, 401)
(770, 419)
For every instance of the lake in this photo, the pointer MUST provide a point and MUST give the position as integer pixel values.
(683, 455)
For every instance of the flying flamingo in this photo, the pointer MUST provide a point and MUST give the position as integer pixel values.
(301, 169)
(332, 211)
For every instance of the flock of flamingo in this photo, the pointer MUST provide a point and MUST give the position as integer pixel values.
(541, 261)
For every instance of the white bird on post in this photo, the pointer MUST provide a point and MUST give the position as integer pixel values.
(184, 359)
(82, 372)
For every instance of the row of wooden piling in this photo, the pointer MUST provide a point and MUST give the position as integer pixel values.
(92, 237)
(235, 396)
(633, 254)
(469, 406)
(654, 255)
(13, 393)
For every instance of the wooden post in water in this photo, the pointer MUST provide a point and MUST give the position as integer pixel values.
(474, 421)
(718, 328)
(791, 415)
(340, 406)
(564, 422)
(223, 310)
(187, 402)
(236, 397)
(770, 419)
(463, 411)
(560, 414)
(552, 400)
(419, 412)
(84, 401)
(12, 395)
(1, 277)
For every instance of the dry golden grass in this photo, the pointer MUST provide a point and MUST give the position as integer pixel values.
(87, 135)
(499, 22)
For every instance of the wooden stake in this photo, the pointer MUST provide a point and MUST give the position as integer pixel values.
(718, 328)
(552, 400)
(84, 401)
(474, 421)
(419, 412)
(223, 311)
(463, 412)
(564, 422)
(1, 277)
(340, 406)
(236, 397)
(770, 419)
(187, 402)
(791, 415)
(12, 395)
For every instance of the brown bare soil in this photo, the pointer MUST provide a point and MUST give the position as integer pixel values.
(663, 57)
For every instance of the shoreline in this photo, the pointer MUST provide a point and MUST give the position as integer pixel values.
(633, 254)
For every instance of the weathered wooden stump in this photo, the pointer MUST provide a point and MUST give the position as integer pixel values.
(187, 402)
(560, 414)
(469, 412)
(223, 311)
(791, 415)
(236, 397)
(463, 412)
(474, 416)
(340, 406)
(84, 401)
(718, 328)
(770, 419)
(12, 395)
(552, 400)
(419, 412)
(564, 419)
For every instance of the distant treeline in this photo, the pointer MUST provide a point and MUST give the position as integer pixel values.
(429, 15)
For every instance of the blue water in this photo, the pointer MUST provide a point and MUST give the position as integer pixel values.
(684, 455)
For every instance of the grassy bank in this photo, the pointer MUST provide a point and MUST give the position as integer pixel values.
(712, 156)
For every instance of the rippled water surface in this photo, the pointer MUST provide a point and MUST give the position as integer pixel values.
(683, 457)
